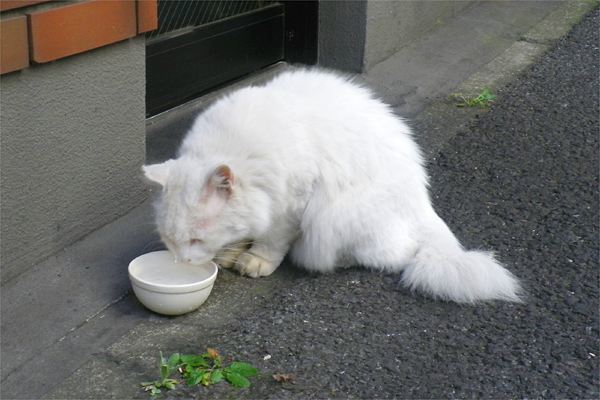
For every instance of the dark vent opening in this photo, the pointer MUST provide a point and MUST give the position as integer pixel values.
(201, 45)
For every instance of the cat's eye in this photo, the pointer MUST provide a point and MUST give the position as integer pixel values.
(196, 241)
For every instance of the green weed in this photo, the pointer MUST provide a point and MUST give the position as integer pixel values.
(482, 100)
(206, 369)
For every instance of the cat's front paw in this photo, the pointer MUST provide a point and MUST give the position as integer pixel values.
(254, 266)
(228, 256)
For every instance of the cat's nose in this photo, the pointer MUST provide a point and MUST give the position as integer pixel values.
(184, 258)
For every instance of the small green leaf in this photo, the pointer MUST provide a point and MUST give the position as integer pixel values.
(487, 95)
(149, 383)
(170, 385)
(206, 379)
(194, 361)
(155, 391)
(164, 372)
(195, 378)
(245, 370)
(481, 100)
(173, 360)
(216, 376)
(188, 370)
(236, 379)
(187, 359)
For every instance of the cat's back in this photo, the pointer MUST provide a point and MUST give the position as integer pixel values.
(325, 94)
(291, 97)
(301, 113)
(313, 83)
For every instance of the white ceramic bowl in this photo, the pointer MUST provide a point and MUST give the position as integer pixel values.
(169, 287)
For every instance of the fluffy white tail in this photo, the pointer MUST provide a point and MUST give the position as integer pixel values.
(442, 268)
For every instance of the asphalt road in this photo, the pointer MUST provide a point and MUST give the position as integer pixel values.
(522, 180)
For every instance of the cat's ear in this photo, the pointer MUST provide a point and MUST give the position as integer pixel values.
(222, 181)
(158, 173)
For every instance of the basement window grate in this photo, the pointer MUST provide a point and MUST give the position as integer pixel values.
(174, 15)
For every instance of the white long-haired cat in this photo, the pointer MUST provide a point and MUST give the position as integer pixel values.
(312, 164)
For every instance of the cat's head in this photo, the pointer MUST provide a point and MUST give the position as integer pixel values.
(195, 215)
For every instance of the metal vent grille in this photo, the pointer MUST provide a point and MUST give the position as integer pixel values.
(174, 15)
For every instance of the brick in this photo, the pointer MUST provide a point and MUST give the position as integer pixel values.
(14, 52)
(76, 28)
(147, 12)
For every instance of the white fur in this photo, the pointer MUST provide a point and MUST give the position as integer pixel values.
(323, 170)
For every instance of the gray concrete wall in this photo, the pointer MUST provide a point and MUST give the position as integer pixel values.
(72, 143)
(356, 35)
(342, 32)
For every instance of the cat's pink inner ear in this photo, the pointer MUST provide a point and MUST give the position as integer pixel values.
(226, 174)
(222, 180)
(158, 173)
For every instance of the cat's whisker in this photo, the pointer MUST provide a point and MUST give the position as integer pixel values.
(152, 234)
(237, 245)
(225, 259)
(234, 250)
(154, 245)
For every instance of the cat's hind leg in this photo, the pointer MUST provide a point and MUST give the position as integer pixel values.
(388, 248)
(354, 230)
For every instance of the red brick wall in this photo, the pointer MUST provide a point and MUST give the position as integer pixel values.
(47, 35)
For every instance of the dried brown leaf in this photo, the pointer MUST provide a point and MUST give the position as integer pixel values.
(212, 353)
(284, 377)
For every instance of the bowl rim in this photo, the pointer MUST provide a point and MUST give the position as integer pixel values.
(170, 288)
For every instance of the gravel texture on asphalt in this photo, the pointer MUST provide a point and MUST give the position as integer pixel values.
(521, 180)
